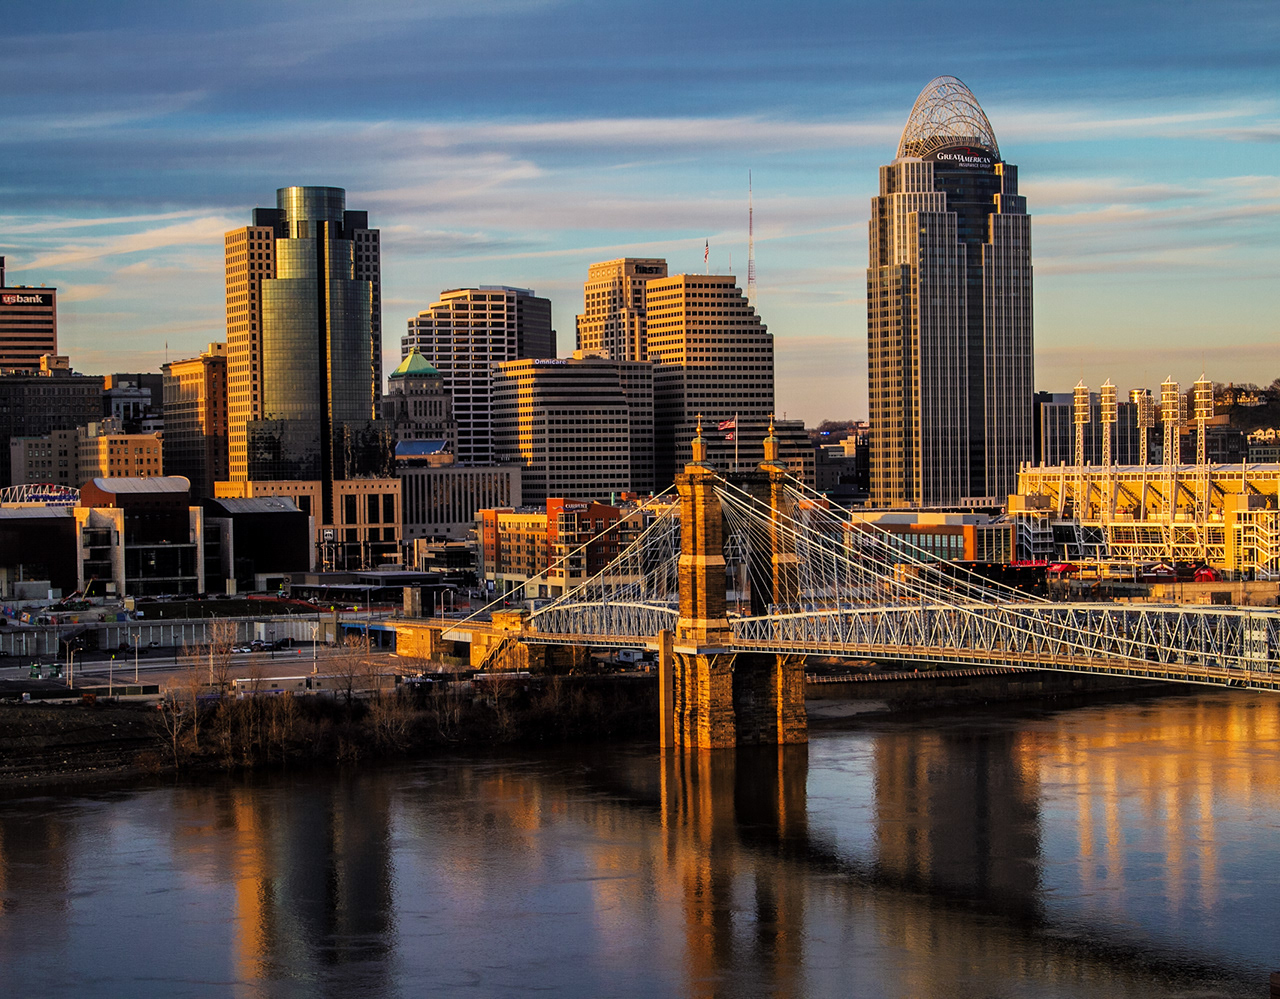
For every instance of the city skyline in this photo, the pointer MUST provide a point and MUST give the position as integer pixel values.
(137, 138)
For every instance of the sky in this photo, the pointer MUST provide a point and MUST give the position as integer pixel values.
(517, 141)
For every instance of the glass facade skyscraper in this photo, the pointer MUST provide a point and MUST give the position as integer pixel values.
(949, 323)
(304, 377)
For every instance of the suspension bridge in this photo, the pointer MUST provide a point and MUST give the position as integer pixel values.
(741, 577)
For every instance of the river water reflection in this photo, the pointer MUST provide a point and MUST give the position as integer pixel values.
(1126, 849)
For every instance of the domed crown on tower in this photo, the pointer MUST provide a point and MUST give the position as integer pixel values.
(946, 114)
(414, 364)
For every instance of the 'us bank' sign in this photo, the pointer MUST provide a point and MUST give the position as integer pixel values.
(27, 298)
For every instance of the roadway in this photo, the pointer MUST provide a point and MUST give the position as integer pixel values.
(168, 666)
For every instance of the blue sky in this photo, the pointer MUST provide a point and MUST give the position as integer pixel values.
(513, 142)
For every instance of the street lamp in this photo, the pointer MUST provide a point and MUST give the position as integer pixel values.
(315, 632)
(137, 640)
(71, 655)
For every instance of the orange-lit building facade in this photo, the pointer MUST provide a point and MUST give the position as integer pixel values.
(195, 419)
(544, 551)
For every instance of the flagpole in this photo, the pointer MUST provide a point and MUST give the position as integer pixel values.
(737, 433)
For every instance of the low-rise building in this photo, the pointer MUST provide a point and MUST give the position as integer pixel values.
(33, 404)
(254, 544)
(441, 499)
(363, 528)
(141, 534)
(545, 551)
(943, 536)
(103, 451)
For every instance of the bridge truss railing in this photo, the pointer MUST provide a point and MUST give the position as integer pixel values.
(636, 595)
(863, 592)
(1164, 641)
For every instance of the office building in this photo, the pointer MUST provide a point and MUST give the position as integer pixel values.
(304, 373)
(546, 550)
(612, 323)
(937, 537)
(949, 329)
(28, 325)
(195, 419)
(303, 336)
(581, 428)
(441, 500)
(467, 332)
(417, 406)
(34, 404)
(713, 358)
(52, 458)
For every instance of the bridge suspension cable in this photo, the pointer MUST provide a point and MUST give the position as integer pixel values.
(661, 499)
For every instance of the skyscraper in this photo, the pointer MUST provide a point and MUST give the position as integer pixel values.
(303, 330)
(949, 331)
(28, 325)
(463, 335)
(712, 357)
(612, 323)
(580, 427)
(304, 373)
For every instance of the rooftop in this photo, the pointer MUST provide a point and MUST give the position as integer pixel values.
(414, 364)
(946, 114)
(144, 484)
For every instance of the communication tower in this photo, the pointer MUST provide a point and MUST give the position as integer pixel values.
(751, 246)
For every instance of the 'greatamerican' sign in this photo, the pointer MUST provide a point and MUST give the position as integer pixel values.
(965, 157)
(26, 298)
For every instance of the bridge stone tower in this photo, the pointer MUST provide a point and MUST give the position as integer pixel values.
(723, 699)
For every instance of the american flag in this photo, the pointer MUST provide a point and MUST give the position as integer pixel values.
(706, 251)
(729, 424)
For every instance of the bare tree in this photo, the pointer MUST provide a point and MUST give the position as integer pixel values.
(346, 668)
(171, 719)
(220, 649)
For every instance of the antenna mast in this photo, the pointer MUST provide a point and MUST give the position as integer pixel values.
(751, 246)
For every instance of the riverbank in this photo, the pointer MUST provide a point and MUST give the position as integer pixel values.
(46, 743)
(73, 743)
(833, 701)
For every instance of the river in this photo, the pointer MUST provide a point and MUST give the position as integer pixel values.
(1130, 848)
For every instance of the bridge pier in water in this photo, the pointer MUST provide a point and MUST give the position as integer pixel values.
(720, 699)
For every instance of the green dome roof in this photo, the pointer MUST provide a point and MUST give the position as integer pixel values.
(414, 364)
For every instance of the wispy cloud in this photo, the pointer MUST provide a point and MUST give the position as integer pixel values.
(201, 231)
